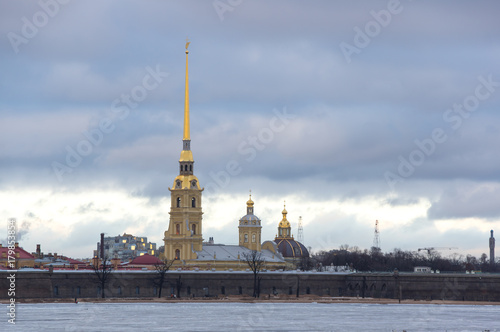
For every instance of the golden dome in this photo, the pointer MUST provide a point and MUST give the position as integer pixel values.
(284, 222)
(250, 202)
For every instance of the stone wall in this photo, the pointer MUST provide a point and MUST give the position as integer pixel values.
(70, 284)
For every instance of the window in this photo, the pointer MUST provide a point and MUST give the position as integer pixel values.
(119, 290)
(223, 290)
(240, 290)
(281, 232)
(178, 202)
(177, 254)
(193, 228)
(188, 290)
(56, 290)
(290, 291)
(253, 238)
(98, 290)
(186, 167)
(137, 290)
(246, 238)
(177, 229)
(181, 168)
(190, 168)
(193, 202)
(78, 290)
(155, 291)
(308, 290)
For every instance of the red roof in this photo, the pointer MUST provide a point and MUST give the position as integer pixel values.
(145, 259)
(23, 254)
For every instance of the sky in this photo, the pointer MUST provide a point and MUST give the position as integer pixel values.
(348, 111)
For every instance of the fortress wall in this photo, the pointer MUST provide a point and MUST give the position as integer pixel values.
(70, 284)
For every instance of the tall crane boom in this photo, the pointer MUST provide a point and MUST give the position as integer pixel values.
(436, 248)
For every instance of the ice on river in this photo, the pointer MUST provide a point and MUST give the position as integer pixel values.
(252, 317)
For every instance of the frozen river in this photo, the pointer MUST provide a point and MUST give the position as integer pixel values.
(252, 317)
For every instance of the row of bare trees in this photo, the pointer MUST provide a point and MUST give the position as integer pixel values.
(103, 271)
(375, 260)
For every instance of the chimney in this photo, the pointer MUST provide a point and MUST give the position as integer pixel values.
(38, 251)
(102, 245)
(492, 249)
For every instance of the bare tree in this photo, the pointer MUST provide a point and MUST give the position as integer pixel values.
(178, 286)
(102, 272)
(161, 274)
(256, 263)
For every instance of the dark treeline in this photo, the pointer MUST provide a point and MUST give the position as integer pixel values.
(404, 261)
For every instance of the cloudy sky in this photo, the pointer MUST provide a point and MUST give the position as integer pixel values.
(350, 111)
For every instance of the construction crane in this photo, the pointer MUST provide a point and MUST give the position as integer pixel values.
(436, 248)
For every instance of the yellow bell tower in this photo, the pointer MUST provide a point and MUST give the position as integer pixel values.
(184, 235)
(250, 229)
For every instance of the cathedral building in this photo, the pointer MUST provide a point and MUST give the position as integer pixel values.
(293, 251)
(184, 237)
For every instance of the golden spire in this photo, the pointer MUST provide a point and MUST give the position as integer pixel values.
(186, 99)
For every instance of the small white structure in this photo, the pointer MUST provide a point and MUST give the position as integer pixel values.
(422, 269)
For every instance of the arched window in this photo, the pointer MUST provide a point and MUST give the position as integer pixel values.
(177, 229)
(281, 232)
(190, 168)
(246, 238)
(186, 167)
(193, 202)
(193, 228)
(253, 238)
(181, 168)
(177, 254)
(178, 202)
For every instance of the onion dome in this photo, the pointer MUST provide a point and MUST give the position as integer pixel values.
(250, 219)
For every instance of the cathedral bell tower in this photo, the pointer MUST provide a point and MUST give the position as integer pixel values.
(184, 235)
(250, 229)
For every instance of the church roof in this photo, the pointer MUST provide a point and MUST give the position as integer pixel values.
(288, 247)
(220, 252)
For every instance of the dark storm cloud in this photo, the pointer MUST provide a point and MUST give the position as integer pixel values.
(353, 121)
